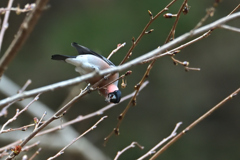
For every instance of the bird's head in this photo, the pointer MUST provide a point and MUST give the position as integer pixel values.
(114, 97)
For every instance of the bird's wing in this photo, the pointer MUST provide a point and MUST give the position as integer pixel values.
(84, 50)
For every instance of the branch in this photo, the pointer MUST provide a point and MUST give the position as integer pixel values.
(28, 7)
(5, 23)
(35, 154)
(153, 150)
(22, 35)
(17, 114)
(195, 123)
(115, 50)
(87, 131)
(132, 145)
(125, 66)
(230, 28)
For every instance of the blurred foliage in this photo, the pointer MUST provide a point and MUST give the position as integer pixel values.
(173, 95)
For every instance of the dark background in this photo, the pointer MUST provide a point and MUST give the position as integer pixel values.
(172, 95)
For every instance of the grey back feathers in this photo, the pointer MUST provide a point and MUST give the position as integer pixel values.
(84, 50)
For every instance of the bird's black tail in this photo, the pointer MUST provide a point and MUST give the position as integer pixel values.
(61, 57)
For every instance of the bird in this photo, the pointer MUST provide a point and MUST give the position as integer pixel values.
(88, 61)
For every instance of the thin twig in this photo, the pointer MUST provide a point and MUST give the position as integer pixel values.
(28, 82)
(230, 28)
(132, 145)
(40, 121)
(73, 141)
(18, 10)
(35, 154)
(18, 113)
(153, 150)
(23, 128)
(115, 50)
(21, 36)
(208, 113)
(235, 9)
(26, 148)
(5, 23)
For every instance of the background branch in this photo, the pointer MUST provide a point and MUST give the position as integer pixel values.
(204, 116)
(22, 35)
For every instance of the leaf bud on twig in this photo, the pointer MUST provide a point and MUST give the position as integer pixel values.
(150, 13)
(185, 63)
(133, 39)
(116, 131)
(150, 31)
(169, 15)
(128, 73)
(186, 9)
(176, 52)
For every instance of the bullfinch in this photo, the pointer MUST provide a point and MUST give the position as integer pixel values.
(89, 61)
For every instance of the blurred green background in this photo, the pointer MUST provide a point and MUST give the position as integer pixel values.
(172, 95)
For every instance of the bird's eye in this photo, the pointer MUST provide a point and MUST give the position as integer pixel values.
(111, 96)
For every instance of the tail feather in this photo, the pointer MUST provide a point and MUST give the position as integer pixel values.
(61, 57)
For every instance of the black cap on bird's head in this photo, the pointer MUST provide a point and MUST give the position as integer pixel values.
(114, 97)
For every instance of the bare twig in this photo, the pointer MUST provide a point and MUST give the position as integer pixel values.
(26, 148)
(235, 9)
(35, 154)
(132, 145)
(90, 129)
(40, 121)
(173, 30)
(210, 12)
(125, 66)
(17, 114)
(4, 112)
(195, 123)
(153, 150)
(5, 23)
(115, 50)
(230, 28)
(23, 128)
(18, 10)
(23, 33)
(28, 82)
